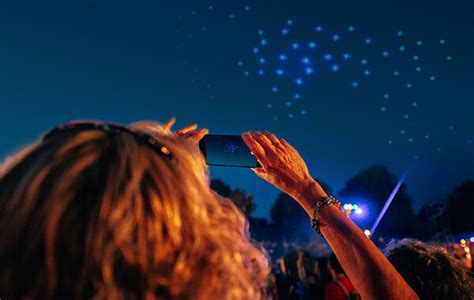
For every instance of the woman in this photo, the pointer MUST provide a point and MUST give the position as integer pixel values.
(102, 211)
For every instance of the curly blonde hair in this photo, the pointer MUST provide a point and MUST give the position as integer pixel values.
(96, 214)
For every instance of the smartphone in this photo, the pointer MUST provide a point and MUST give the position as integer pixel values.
(227, 150)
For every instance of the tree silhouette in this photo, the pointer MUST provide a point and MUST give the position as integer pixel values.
(460, 208)
(240, 198)
(290, 220)
(374, 185)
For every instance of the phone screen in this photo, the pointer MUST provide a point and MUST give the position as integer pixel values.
(227, 150)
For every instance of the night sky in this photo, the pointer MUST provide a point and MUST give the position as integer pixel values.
(348, 83)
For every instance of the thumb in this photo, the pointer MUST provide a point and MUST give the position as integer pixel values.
(260, 172)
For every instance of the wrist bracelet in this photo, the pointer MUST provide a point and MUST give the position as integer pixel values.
(328, 200)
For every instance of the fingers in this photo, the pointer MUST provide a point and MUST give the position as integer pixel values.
(167, 126)
(197, 135)
(260, 173)
(273, 139)
(186, 129)
(255, 147)
(285, 143)
(264, 142)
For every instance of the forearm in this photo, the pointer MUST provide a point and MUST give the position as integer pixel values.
(372, 274)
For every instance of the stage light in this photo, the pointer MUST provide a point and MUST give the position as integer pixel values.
(367, 233)
(359, 211)
(472, 239)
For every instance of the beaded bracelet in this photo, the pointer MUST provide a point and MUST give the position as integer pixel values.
(328, 200)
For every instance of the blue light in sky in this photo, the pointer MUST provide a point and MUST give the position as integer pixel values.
(432, 78)
(355, 84)
(449, 57)
(327, 56)
(295, 45)
(296, 96)
(260, 32)
(350, 28)
(280, 72)
(363, 61)
(346, 56)
(336, 37)
(366, 72)
(400, 33)
(246, 73)
(255, 50)
(309, 70)
(299, 81)
(263, 42)
(402, 48)
(442, 42)
(285, 31)
(335, 68)
(289, 22)
(385, 53)
(305, 60)
(368, 41)
(288, 103)
(415, 57)
(274, 89)
(382, 109)
(418, 69)
(386, 96)
(419, 43)
(261, 60)
(396, 73)
(409, 85)
(282, 57)
(318, 28)
(261, 72)
(240, 63)
(312, 44)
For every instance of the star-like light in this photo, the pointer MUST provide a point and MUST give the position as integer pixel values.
(280, 72)
(305, 60)
(328, 56)
(299, 81)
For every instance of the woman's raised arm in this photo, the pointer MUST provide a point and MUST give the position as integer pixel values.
(372, 274)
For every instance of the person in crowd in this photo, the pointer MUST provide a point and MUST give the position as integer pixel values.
(430, 271)
(96, 210)
(340, 288)
(307, 275)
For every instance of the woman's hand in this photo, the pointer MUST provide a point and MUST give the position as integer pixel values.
(190, 132)
(281, 164)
